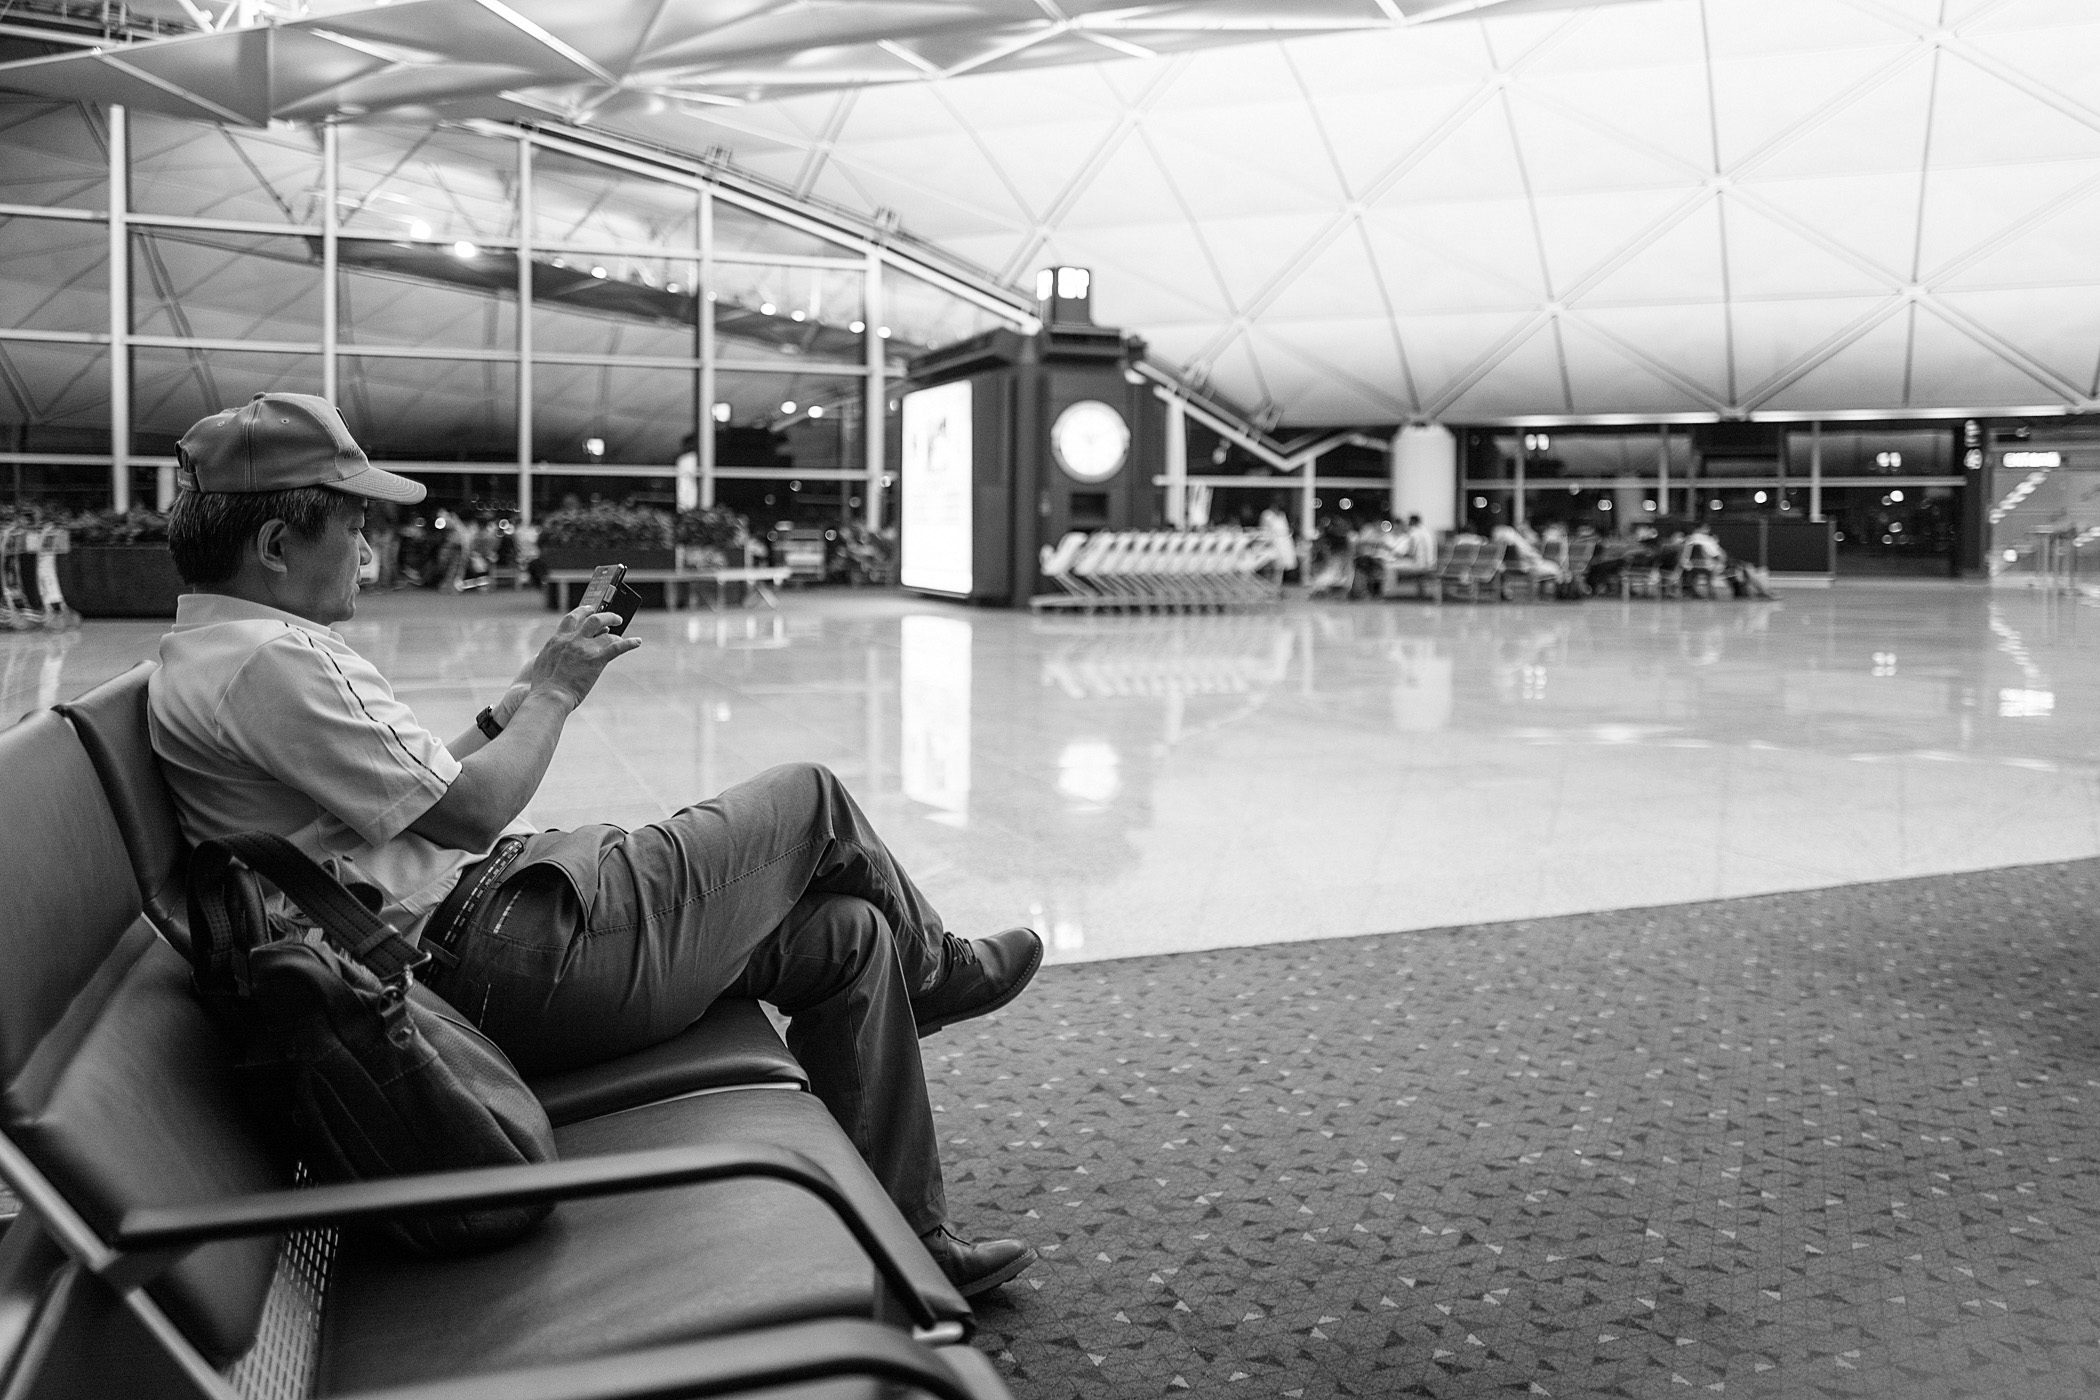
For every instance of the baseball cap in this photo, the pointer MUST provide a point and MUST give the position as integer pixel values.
(276, 442)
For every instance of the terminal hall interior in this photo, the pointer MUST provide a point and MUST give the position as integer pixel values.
(1503, 582)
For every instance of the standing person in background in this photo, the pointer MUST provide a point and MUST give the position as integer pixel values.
(1283, 549)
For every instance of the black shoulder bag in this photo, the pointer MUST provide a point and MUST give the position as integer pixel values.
(375, 1075)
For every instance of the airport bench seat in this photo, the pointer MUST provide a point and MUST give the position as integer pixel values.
(702, 1196)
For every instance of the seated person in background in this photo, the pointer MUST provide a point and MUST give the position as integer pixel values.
(565, 947)
(1421, 546)
(1331, 569)
(1524, 555)
(1375, 548)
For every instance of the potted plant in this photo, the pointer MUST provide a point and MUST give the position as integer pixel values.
(583, 537)
(118, 565)
(710, 537)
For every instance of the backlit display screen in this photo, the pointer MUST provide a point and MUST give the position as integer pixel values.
(934, 482)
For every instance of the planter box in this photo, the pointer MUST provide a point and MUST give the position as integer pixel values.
(590, 557)
(120, 580)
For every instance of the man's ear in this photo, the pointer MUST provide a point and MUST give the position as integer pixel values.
(269, 546)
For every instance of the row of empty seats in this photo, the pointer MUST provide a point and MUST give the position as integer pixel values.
(1165, 569)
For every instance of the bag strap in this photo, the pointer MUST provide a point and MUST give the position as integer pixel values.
(225, 914)
(343, 920)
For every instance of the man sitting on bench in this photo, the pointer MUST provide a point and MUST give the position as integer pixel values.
(565, 947)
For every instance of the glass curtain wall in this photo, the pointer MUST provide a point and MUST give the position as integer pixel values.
(513, 317)
(1892, 492)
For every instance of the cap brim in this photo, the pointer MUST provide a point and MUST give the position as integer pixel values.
(380, 486)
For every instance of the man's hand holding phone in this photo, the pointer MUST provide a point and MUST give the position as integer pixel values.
(587, 639)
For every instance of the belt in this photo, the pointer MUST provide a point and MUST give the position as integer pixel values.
(455, 914)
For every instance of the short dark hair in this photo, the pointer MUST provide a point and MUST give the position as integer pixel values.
(208, 530)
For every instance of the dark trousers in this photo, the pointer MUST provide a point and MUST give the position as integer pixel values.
(602, 942)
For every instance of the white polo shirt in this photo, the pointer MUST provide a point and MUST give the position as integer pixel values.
(264, 721)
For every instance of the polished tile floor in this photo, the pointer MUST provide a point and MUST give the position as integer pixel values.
(1155, 784)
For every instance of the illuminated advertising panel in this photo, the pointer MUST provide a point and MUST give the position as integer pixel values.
(935, 486)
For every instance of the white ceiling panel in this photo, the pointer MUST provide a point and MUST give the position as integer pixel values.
(1877, 124)
(1528, 379)
(1770, 255)
(2052, 327)
(1442, 350)
(1585, 234)
(1872, 215)
(1600, 372)
(1681, 263)
(1970, 210)
(1946, 358)
(2056, 248)
(1867, 373)
(1776, 342)
(1684, 347)
(1426, 267)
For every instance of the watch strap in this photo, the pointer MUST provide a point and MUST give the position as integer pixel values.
(486, 722)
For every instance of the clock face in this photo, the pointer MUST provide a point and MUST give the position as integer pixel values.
(1090, 441)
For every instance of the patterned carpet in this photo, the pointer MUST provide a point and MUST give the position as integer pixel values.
(1829, 1144)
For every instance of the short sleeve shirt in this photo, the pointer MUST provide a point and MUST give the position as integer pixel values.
(264, 721)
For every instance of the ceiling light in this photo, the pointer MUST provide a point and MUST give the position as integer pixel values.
(857, 327)
(883, 331)
(597, 272)
(417, 228)
(465, 251)
(796, 316)
(788, 407)
(721, 413)
(765, 308)
(816, 410)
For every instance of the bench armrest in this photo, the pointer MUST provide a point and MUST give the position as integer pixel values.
(149, 1239)
(774, 1356)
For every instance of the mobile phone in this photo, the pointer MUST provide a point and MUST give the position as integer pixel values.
(608, 592)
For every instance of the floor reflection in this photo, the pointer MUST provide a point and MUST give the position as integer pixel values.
(1145, 784)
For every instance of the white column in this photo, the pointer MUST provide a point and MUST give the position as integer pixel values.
(1423, 470)
(330, 230)
(1177, 461)
(119, 309)
(874, 427)
(1308, 523)
(1662, 470)
(704, 320)
(1815, 470)
(525, 390)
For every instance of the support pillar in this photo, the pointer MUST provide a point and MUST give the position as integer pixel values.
(704, 319)
(119, 309)
(1815, 470)
(1177, 461)
(875, 416)
(1423, 471)
(525, 389)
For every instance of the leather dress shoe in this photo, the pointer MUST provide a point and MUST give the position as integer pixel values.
(975, 1267)
(982, 976)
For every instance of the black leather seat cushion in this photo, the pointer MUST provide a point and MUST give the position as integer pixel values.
(732, 1044)
(111, 722)
(619, 1272)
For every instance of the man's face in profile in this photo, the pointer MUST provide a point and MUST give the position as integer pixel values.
(320, 582)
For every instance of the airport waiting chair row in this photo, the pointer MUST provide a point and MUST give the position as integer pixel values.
(1166, 569)
(1694, 575)
(717, 1234)
(1468, 568)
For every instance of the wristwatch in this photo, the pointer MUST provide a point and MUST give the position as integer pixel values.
(486, 722)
